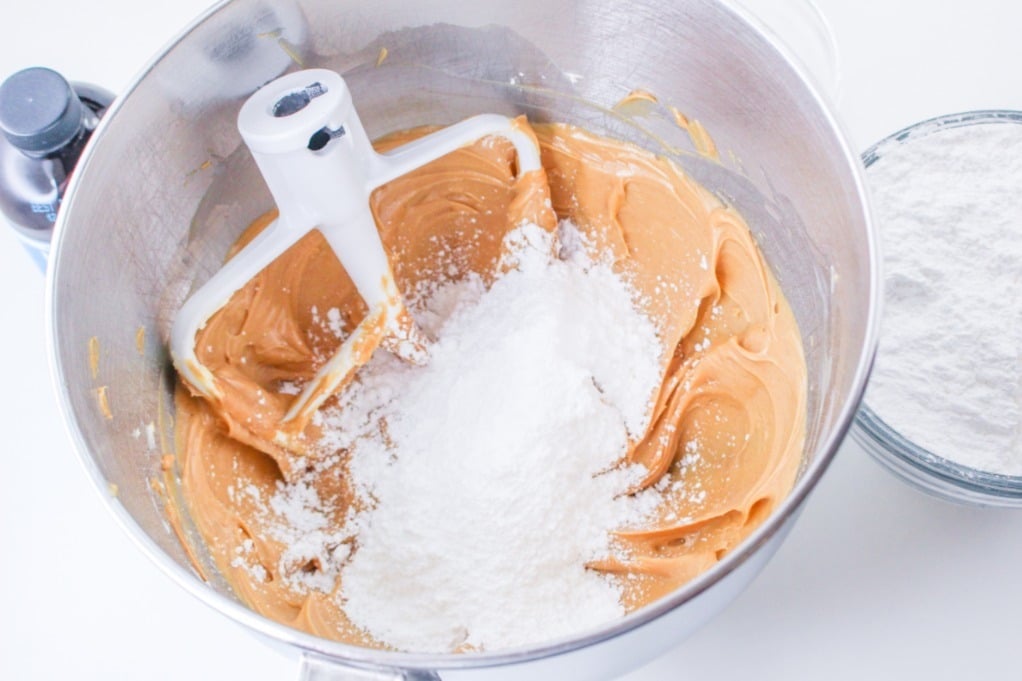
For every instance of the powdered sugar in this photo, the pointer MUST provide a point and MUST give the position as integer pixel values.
(486, 480)
(491, 476)
(298, 518)
(948, 374)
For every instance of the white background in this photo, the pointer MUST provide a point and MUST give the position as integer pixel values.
(877, 581)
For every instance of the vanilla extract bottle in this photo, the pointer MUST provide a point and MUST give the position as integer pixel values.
(46, 122)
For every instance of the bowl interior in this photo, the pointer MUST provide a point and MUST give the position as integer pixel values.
(167, 185)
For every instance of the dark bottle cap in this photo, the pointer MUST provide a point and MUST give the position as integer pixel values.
(39, 111)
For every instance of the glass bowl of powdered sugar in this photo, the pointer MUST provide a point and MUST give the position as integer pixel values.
(943, 409)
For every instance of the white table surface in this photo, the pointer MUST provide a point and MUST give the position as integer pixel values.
(876, 581)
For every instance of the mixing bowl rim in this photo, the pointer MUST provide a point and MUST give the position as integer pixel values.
(343, 653)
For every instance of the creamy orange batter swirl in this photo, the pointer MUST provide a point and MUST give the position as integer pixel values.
(734, 376)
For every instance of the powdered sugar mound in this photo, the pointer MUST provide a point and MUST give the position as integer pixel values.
(491, 475)
(947, 374)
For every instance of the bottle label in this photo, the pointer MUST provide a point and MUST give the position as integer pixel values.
(49, 210)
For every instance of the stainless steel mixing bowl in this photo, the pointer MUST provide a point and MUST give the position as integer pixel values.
(166, 186)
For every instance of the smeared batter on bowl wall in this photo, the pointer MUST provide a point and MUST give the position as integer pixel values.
(726, 430)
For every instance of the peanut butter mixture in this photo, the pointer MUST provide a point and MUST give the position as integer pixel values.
(725, 437)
